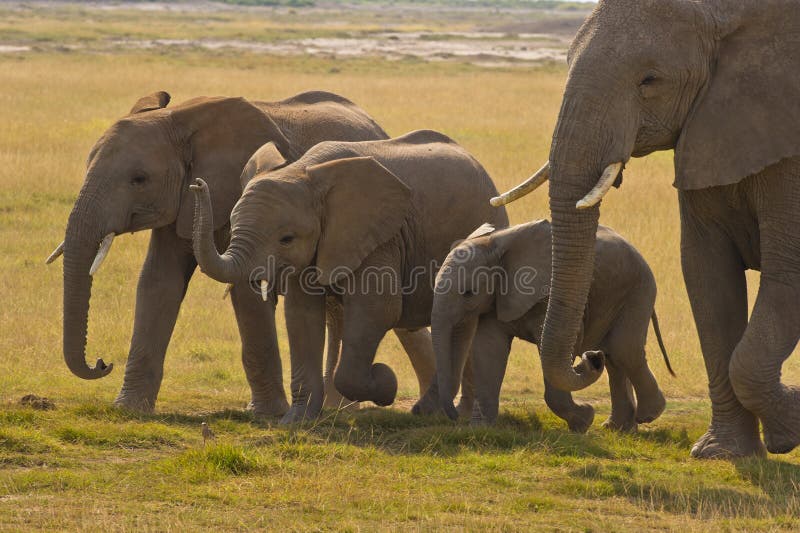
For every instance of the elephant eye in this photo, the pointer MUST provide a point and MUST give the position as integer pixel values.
(648, 80)
(138, 180)
(468, 293)
(286, 240)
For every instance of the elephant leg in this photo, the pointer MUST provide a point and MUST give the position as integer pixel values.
(260, 353)
(755, 369)
(305, 325)
(489, 359)
(334, 319)
(162, 285)
(623, 404)
(626, 345)
(713, 271)
(366, 321)
(578, 416)
(467, 400)
(417, 344)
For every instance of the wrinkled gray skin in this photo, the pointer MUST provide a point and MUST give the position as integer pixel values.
(137, 178)
(718, 81)
(392, 207)
(493, 288)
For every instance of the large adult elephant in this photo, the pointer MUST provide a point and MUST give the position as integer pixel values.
(718, 81)
(365, 222)
(137, 178)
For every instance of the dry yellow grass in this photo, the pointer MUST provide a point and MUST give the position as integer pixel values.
(371, 471)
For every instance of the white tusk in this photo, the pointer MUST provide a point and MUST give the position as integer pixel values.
(228, 288)
(530, 185)
(55, 255)
(102, 252)
(264, 289)
(603, 186)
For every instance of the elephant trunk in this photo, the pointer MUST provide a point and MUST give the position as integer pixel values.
(84, 234)
(228, 267)
(581, 146)
(451, 343)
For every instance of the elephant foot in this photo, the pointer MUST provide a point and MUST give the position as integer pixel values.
(268, 408)
(782, 430)
(581, 418)
(730, 438)
(427, 405)
(628, 425)
(650, 407)
(138, 403)
(381, 389)
(465, 407)
(299, 412)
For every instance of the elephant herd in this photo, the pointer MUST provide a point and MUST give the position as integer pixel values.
(309, 199)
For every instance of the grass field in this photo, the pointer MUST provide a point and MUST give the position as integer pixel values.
(87, 466)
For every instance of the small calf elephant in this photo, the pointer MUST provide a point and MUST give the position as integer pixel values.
(493, 287)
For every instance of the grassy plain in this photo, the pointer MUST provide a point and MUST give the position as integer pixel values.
(87, 466)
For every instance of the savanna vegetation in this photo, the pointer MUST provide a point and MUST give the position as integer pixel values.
(88, 466)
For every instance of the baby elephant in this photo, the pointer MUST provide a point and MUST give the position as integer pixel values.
(493, 287)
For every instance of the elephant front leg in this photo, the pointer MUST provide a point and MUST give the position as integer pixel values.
(714, 275)
(755, 368)
(162, 285)
(305, 323)
(260, 353)
(491, 346)
(335, 321)
(419, 347)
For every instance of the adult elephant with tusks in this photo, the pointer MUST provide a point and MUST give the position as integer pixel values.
(718, 81)
(350, 210)
(137, 178)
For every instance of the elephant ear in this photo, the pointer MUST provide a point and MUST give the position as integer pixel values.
(151, 102)
(220, 135)
(525, 256)
(365, 205)
(748, 117)
(267, 158)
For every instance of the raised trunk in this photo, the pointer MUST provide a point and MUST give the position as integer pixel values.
(80, 247)
(228, 267)
(451, 344)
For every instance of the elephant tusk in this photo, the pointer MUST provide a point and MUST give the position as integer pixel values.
(264, 289)
(530, 185)
(102, 252)
(56, 254)
(603, 186)
(228, 288)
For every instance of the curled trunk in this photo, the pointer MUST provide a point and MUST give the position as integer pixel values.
(228, 267)
(80, 248)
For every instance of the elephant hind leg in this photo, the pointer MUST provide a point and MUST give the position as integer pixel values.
(623, 404)
(334, 320)
(755, 369)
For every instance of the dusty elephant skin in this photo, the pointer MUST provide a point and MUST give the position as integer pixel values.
(719, 84)
(493, 288)
(351, 210)
(137, 178)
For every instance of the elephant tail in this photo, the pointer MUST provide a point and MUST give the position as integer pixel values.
(661, 343)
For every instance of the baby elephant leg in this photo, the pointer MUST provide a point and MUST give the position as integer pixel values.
(490, 348)
(579, 417)
(626, 345)
(623, 404)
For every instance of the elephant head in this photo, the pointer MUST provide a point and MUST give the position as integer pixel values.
(712, 79)
(329, 215)
(137, 178)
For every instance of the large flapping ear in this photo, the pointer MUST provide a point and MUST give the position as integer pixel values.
(525, 256)
(220, 136)
(748, 117)
(266, 158)
(365, 205)
(157, 100)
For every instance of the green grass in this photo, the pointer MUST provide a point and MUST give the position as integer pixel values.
(89, 466)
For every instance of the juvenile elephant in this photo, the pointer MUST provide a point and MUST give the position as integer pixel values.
(137, 178)
(372, 219)
(493, 288)
(718, 81)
